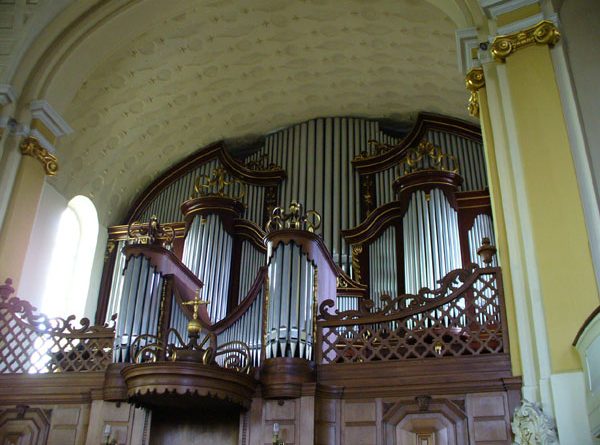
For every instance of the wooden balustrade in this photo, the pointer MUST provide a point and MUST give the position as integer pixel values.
(465, 316)
(32, 343)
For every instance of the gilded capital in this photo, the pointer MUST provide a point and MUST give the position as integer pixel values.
(30, 146)
(474, 81)
(544, 33)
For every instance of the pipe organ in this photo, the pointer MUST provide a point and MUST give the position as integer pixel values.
(229, 295)
(401, 210)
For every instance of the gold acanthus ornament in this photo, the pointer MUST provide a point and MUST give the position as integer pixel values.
(295, 218)
(544, 33)
(474, 81)
(426, 156)
(30, 146)
(219, 184)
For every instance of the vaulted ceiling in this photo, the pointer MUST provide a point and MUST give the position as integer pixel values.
(225, 69)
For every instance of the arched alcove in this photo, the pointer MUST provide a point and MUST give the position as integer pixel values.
(425, 421)
(68, 274)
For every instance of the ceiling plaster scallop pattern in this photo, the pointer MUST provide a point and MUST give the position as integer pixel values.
(229, 68)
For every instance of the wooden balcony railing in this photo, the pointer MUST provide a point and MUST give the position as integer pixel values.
(32, 343)
(465, 316)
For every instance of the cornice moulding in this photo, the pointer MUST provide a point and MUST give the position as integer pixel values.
(466, 40)
(7, 94)
(525, 23)
(43, 111)
(495, 8)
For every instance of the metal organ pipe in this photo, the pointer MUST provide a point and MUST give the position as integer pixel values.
(207, 253)
(116, 287)
(290, 305)
(431, 237)
(326, 142)
(139, 306)
(248, 329)
(252, 260)
(382, 264)
(482, 227)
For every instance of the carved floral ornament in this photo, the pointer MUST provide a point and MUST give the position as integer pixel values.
(151, 232)
(474, 81)
(219, 183)
(532, 427)
(30, 146)
(295, 218)
(426, 156)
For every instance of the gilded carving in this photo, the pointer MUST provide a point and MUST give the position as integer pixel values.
(220, 184)
(544, 33)
(262, 164)
(376, 148)
(30, 146)
(151, 232)
(474, 81)
(110, 247)
(427, 156)
(356, 251)
(295, 219)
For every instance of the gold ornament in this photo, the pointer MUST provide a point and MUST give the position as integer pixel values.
(474, 81)
(544, 33)
(30, 146)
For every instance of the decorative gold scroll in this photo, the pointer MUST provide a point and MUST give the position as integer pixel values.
(219, 183)
(376, 148)
(544, 33)
(30, 146)
(356, 251)
(474, 81)
(426, 151)
(295, 219)
(151, 232)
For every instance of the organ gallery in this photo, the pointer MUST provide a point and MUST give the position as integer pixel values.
(344, 273)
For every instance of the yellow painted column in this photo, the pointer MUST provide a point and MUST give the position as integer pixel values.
(35, 164)
(478, 107)
(561, 247)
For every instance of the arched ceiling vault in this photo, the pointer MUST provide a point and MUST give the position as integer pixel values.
(154, 84)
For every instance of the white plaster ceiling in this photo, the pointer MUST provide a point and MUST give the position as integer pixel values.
(228, 68)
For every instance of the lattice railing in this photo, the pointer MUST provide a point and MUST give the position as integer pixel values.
(33, 343)
(464, 316)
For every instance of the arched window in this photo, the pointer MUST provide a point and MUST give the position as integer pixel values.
(72, 258)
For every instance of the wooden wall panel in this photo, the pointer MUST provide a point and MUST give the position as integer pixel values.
(359, 423)
(489, 418)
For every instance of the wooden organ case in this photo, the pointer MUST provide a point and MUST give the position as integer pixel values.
(337, 285)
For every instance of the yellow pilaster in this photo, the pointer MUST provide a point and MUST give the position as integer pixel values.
(499, 224)
(35, 164)
(561, 251)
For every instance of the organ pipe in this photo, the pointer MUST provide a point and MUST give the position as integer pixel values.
(429, 254)
(289, 330)
(139, 306)
(483, 227)
(207, 253)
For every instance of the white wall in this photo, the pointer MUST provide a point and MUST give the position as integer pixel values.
(39, 253)
(96, 277)
(579, 21)
(35, 269)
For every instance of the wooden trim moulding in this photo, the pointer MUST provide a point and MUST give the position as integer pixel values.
(216, 150)
(405, 378)
(424, 122)
(585, 325)
(67, 387)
